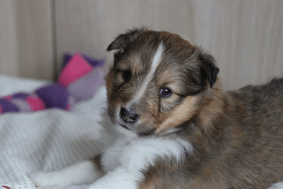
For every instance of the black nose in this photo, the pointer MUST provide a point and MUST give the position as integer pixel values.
(128, 117)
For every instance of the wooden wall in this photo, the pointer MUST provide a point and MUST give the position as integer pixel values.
(245, 36)
(26, 38)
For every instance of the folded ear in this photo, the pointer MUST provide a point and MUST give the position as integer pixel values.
(123, 40)
(209, 69)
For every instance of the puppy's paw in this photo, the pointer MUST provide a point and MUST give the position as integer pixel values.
(47, 179)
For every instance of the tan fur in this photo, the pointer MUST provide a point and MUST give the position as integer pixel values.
(211, 105)
(190, 106)
(179, 115)
(97, 162)
(109, 81)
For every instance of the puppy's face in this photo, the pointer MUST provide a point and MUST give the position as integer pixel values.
(156, 81)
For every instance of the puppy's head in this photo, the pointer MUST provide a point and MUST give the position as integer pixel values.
(157, 80)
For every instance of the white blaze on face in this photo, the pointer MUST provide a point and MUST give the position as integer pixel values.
(155, 62)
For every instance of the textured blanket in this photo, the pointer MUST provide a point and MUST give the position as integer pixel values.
(47, 140)
(50, 139)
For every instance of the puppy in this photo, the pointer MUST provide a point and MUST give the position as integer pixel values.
(180, 130)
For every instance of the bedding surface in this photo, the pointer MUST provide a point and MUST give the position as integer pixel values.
(51, 139)
(47, 140)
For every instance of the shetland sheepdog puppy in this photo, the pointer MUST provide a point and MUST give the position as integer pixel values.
(178, 128)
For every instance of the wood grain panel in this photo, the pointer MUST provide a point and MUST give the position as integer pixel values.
(90, 26)
(245, 37)
(26, 38)
(8, 38)
(35, 39)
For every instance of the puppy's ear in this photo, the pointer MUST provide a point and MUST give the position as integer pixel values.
(209, 69)
(123, 40)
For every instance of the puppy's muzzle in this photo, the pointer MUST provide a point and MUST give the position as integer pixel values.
(128, 116)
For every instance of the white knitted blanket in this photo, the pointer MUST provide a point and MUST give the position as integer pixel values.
(47, 140)
(50, 139)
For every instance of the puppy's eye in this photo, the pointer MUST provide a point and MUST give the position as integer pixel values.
(165, 92)
(127, 75)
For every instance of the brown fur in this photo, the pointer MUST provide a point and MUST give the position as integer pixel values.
(97, 162)
(236, 136)
(233, 148)
(181, 113)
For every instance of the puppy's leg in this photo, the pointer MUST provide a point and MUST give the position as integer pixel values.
(81, 173)
(119, 178)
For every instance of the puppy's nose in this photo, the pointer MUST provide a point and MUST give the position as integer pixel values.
(128, 117)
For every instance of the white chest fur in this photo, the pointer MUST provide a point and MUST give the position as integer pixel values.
(137, 153)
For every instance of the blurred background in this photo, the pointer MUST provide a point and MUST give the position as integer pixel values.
(244, 36)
